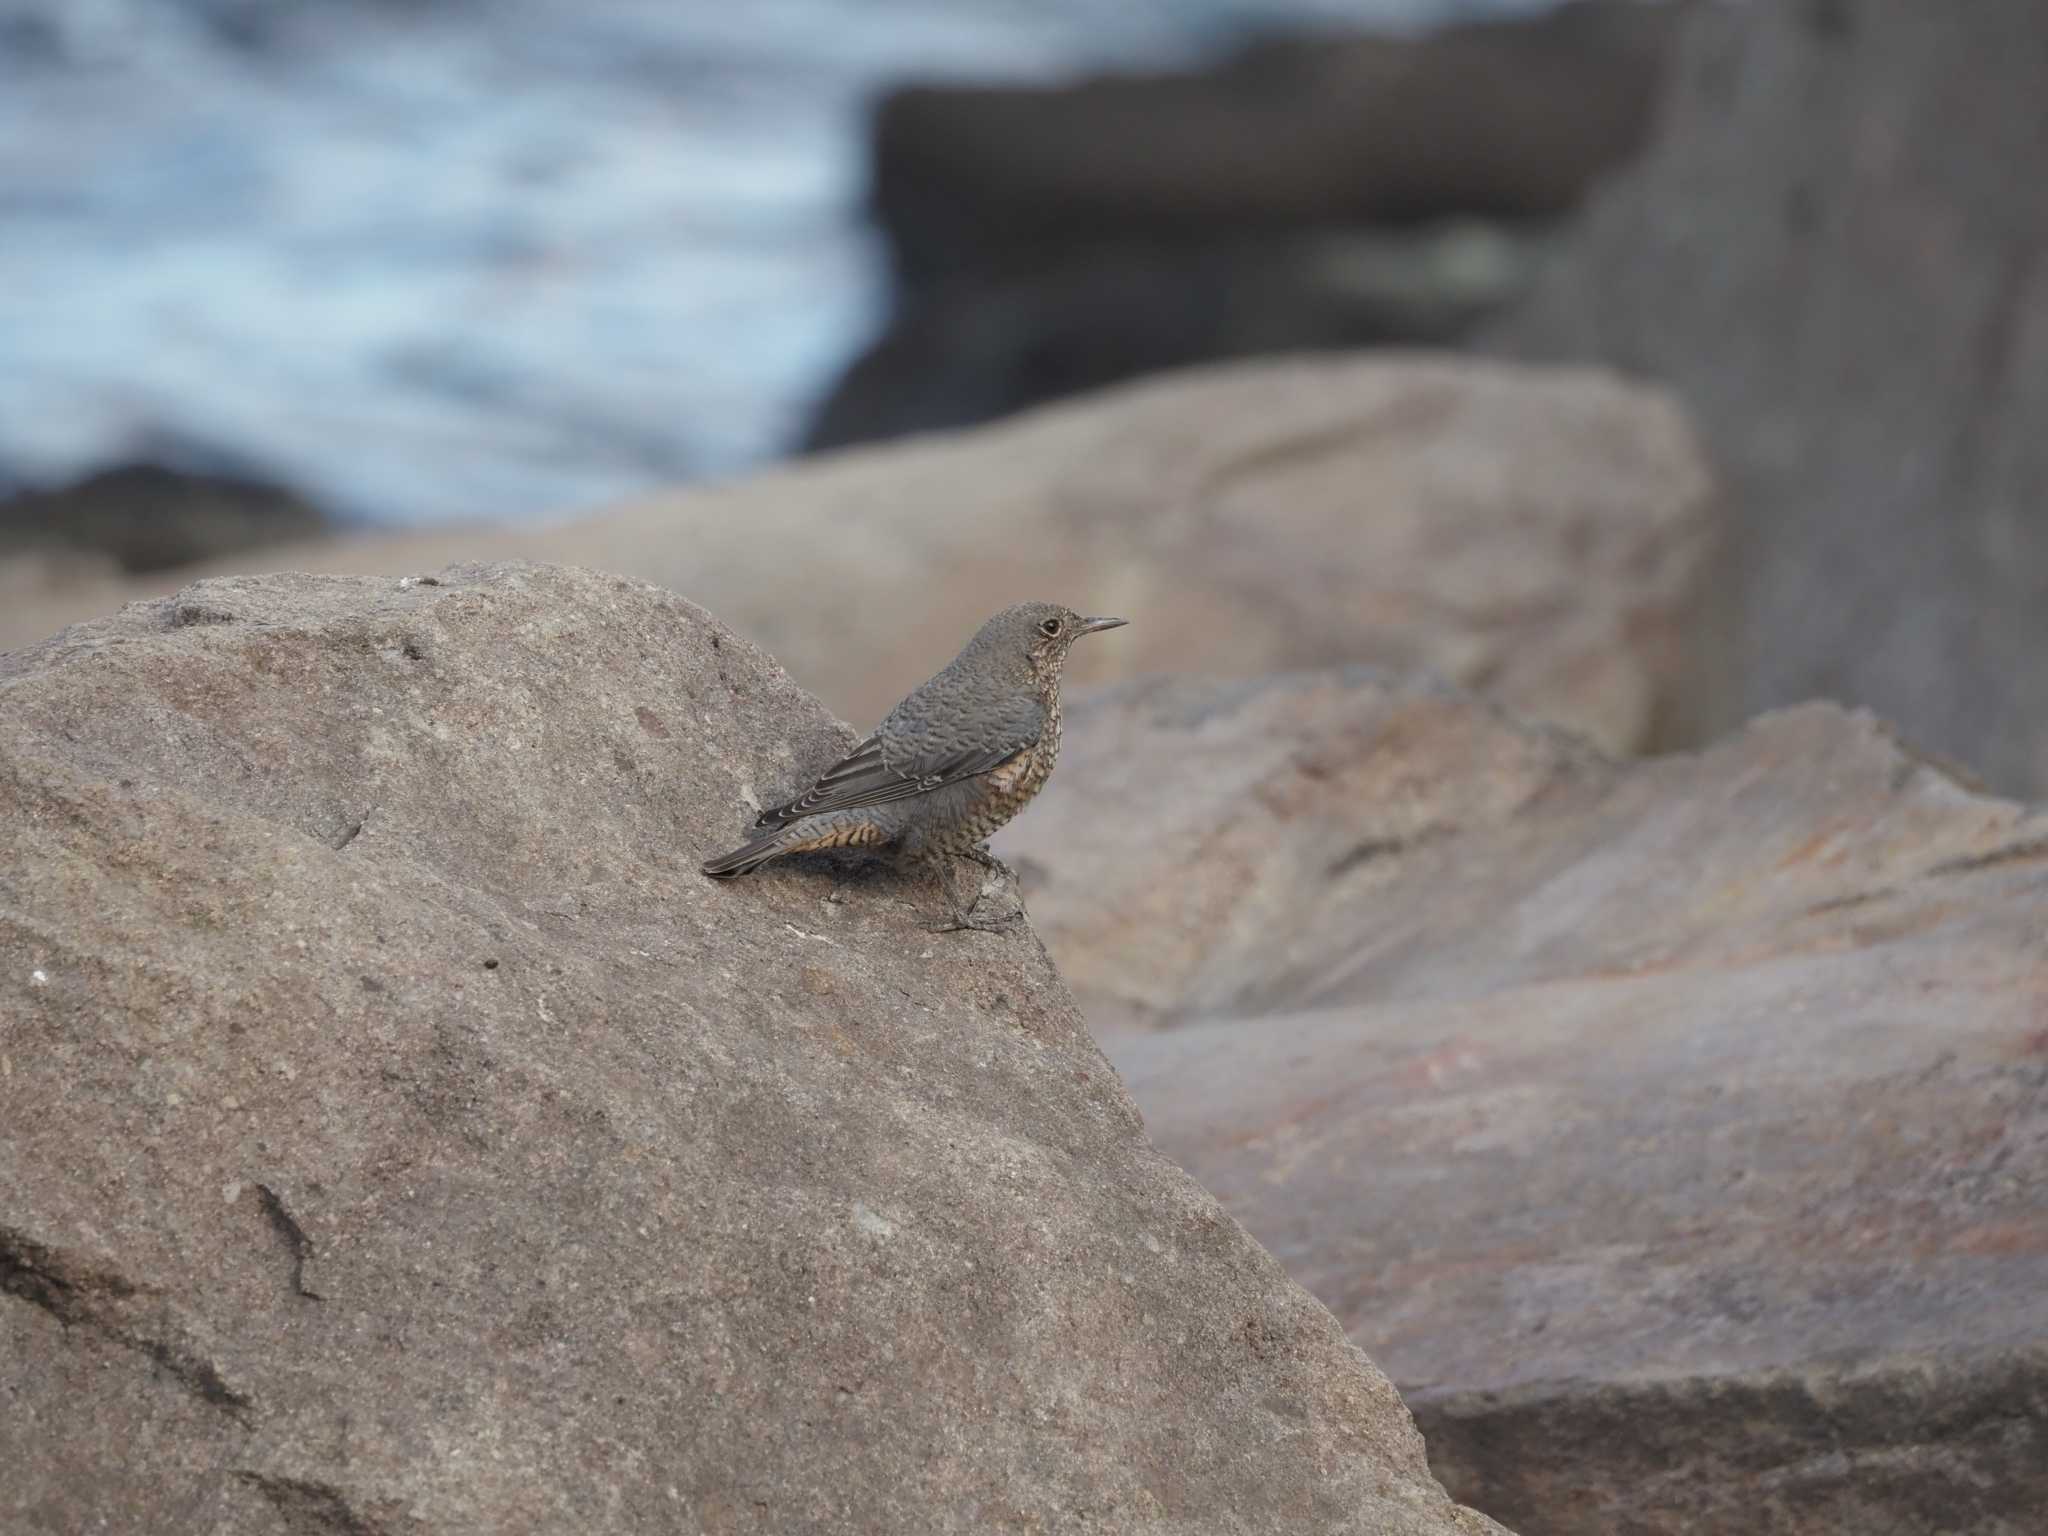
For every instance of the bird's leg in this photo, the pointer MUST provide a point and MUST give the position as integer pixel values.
(963, 919)
(982, 855)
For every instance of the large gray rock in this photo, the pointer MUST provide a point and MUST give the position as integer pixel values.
(401, 1136)
(1675, 1133)
(1832, 256)
(1544, 534)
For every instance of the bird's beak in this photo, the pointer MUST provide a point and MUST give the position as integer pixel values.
(1090, 626)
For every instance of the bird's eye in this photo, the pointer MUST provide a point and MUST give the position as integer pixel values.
(1051, 626)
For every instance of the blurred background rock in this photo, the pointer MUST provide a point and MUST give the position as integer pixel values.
(1837, 254)
(1309, 192)
(150, 517)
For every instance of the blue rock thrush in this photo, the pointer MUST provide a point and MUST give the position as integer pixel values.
(954, 761)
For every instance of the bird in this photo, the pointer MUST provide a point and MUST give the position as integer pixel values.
(956, 759)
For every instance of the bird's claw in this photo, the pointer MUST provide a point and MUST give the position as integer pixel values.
(972, 925)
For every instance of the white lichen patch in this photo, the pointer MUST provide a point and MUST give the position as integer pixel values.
(870, 1223)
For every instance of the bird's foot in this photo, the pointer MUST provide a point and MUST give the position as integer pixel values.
(1015, 881)
(969, 923)
(962, 919)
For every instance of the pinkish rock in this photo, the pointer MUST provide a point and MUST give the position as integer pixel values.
(1675, 1133)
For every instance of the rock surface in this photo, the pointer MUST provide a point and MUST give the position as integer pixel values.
(1675, 1133)
(402, 1137)
(1882, 424)
(1545, 535)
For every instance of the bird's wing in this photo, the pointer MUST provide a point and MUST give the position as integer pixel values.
(866, 776)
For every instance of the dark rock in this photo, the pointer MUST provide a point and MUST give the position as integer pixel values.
(1676, 1133)
(149, 517)
(1052, 239)
(983, 347)
(707, 1208)
(1504, 119)
(1832, 254)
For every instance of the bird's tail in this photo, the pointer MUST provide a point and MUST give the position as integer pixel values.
(749, 857)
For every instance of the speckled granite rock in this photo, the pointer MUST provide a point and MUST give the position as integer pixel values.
(401, 1137)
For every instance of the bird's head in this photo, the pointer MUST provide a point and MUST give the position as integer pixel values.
(1042, 633)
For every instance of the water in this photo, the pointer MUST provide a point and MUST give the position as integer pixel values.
(432, 259)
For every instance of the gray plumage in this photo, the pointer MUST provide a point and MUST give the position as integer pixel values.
(950, 764)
